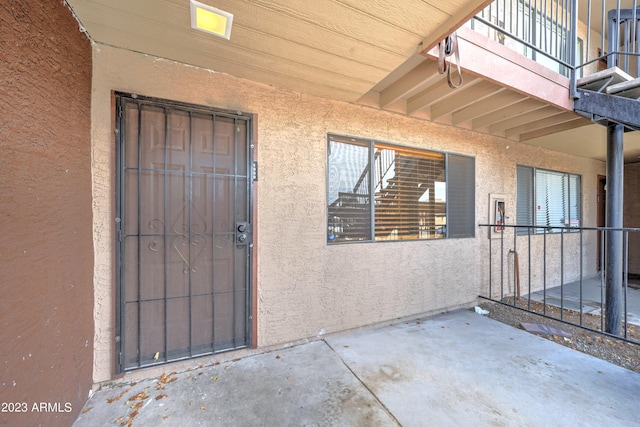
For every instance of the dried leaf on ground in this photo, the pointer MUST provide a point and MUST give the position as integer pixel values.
(140, 396)
(161, 396)
(115, 399)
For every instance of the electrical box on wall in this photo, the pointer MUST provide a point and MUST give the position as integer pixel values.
(497, 215)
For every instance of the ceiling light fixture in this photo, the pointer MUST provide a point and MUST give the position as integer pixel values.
(211, 20)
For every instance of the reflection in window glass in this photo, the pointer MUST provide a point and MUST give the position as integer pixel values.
(378, 191)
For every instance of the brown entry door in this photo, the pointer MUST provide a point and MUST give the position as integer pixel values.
(601, 216)
(184, 231)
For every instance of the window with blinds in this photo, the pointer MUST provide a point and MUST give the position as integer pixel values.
(548, 199)
(524, 194)
(378, 191)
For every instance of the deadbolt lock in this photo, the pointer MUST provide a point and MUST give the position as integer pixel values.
(242, 232)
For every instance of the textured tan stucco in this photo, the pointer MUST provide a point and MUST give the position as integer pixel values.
(304, 286)
(46, 262)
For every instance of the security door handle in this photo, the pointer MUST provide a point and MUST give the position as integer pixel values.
(242, 232)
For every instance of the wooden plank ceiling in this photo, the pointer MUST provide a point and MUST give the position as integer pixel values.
(361, 51)
(480, 104)
(337, 49)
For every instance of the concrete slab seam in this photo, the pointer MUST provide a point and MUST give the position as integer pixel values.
(363, 384)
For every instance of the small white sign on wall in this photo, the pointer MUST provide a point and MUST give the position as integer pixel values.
(497, 215)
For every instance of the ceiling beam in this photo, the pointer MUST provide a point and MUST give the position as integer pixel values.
(522, 119)
(504, 113)
(434, 93)
(502, 99)
(422, 75)
(454, 22)
(552, 120)
(578, 122)
(465, 95)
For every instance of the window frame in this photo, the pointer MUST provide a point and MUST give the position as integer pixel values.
(532, 211)
(466, 231)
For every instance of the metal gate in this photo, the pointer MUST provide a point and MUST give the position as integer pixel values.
(183, 216)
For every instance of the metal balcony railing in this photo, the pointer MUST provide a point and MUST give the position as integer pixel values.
(543, 270)
(538, 29)
(573, 37)
(613, 40)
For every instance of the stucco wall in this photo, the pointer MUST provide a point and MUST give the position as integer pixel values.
(544, 260)
(46, 257)
(304, 286)
(630, 213)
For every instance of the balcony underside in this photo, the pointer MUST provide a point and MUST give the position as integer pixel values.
(504, 93)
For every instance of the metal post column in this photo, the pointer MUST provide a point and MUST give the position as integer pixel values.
(613, 268)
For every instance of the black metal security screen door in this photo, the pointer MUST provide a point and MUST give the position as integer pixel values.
(184, 231)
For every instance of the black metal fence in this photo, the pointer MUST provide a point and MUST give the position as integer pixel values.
(539, 29)
(613, 39)
(560, 273)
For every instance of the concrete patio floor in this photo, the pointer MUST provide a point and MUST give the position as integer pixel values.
(593, 291)
(453, 369)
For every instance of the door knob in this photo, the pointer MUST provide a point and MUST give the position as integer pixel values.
(242, 233)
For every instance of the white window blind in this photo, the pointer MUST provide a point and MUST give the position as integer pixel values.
(547, 199)
(407, 202)
(552, 201)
